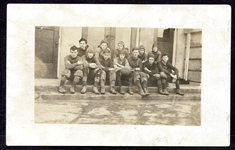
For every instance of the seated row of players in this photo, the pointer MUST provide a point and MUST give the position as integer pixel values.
(85, 62)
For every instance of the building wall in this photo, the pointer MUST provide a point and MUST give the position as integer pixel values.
(69, 36)
(123, 34)
(146, 38)
(95, 35)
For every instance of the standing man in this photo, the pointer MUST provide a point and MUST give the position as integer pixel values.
(168, 73)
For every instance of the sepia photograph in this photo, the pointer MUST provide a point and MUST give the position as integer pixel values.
(118, 75)
(113, 75)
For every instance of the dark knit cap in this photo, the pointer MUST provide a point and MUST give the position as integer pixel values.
(82, 39)
(141, 47)
(103, 41)
(73, 48)
(122, 52)
(135, 48)
(151, 55)
(121, 42)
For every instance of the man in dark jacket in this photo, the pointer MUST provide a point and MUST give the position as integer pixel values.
(107, 66)
(168, 73)
(94, 70)
(73, 70)
(142, 55)
(140, 78)
(151, 68)
(156, 53)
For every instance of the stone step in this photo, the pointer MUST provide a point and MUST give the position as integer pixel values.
(52, 88)
(108, 96)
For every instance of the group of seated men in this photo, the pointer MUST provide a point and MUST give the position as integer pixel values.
(85, 63)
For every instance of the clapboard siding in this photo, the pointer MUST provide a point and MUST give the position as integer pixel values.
(195, 53)
(195, 64)
(194, 76)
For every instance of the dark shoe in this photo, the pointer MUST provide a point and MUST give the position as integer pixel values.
(179, 92)
(95, 90)
(72, 91)
(160, 91)
(146, 91)
(165, 92)
(141, 92)
(112, 90)
(130, 91)
(83, 91)
(121, 91)
(61, 89)
(102, 90)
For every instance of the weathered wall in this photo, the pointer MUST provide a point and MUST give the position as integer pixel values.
(146, 38)
(123, 34)
(69, 36)
(95, 35)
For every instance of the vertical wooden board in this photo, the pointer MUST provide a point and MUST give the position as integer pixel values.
(95, 35)
(112, 38)
(195, 52)
(195, 65)
(133, 38)
(85, 32)
(196, 39)
(194, 76)
(146, 38)
(123, 34)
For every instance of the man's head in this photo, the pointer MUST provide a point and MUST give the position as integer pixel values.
(83, 43)
(120, 45)
(106, 54)
(74, 51)
(155, 47)
(165, 57)
(142, 49)
(90, 52)
(103, 44)
(151, 59)
(122, 54)
(135, 52)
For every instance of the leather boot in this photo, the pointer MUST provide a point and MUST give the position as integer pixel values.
(178, 91)
(144, 84)
(121, 90)
(62, 89)
(159, 84)
(129, 88)
(83, 91)
(95, 88)
(102, 86)
(141, 92)
(72, 88)
(112, 87)
(164, 85)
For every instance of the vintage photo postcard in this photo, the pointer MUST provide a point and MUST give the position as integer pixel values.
(118, 75)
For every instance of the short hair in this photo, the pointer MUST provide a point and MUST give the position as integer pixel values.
(123, 52)
(135, 48)
(141, 47)
(106, 51)
(165, 54)
(103, 41)
(82, 39)
(151, 55)
(73, 48)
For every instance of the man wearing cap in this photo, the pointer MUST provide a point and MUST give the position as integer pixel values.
(142, 55)
(151, 68)
(156, 53)
(121, 47)
(94, 70)
(122, 67)
(139, 77)
(74, 65)
(101, 48)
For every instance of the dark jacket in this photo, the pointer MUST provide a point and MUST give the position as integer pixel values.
(157, 55)
(81, 51)
(153, 68)
(167, 68)
(135, 62)
(106, 63)
(71, 63)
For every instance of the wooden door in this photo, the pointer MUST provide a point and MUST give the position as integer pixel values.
(46, 51)
(166, 43)
(110, 33)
